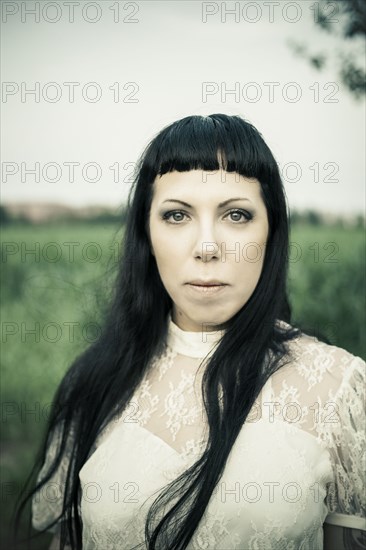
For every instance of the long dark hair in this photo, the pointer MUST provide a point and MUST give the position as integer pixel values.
(100, 381)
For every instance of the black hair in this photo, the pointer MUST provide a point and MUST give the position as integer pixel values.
(101, 381)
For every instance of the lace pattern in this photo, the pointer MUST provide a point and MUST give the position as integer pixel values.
(298, 460)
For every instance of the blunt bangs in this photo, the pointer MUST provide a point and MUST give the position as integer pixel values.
(212, 143)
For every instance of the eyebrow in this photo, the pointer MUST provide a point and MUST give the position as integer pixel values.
(221, 204)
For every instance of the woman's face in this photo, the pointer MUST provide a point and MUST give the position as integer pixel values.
(205, 240)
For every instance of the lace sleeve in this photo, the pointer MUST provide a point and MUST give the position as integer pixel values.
(346, 499)
(47, 502)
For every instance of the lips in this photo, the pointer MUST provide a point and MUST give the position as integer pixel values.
(211, 282)
(206, 291)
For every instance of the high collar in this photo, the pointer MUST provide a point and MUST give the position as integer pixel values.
(191, 344)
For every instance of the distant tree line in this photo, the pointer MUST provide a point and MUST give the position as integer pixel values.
(312, 217)
(309, 217)
(7, 218)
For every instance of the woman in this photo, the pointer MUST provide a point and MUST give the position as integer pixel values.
(201, 418)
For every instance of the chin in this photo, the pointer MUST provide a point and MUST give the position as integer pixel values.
(211, 320)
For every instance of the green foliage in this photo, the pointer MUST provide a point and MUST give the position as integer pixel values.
(327, 281)
(4, 216)
(59, 294)
(345, 19)
(7, 218)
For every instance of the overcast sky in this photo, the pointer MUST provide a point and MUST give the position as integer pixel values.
(166, 60)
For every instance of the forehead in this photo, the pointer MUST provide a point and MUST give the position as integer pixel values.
(203, 183)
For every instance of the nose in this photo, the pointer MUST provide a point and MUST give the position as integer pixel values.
(206, 246)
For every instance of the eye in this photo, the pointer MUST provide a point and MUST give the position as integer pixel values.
(167, 215)
(247, 215)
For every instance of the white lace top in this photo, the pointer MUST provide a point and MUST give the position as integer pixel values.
(299, 460)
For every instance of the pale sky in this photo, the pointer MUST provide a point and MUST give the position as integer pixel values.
(162, 61)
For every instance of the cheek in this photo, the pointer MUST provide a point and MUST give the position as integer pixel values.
(166, 251)
(254, 247)
(166, 244)
(253, 255)
(249, 267)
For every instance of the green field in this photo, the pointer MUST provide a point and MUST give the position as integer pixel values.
(51, 301)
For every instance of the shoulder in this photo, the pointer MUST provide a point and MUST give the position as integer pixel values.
(316, 371)
(318, 363)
